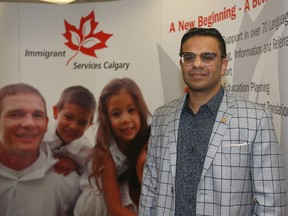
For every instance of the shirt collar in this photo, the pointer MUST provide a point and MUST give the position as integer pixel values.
(213, 104)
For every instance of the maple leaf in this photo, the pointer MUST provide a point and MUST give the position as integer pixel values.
(85, 39)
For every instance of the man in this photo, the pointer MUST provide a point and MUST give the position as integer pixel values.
(28, 184)
(210, 152)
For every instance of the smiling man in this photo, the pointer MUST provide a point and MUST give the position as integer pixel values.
(28, 184)
(211, 152)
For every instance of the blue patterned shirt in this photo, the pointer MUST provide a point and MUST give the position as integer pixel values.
(193, 140)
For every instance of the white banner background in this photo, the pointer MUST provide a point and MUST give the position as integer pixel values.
(147, 34)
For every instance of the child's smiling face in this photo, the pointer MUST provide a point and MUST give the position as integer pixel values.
(124, 117)
(72, 122)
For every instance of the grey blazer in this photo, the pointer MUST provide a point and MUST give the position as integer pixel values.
(243, 172)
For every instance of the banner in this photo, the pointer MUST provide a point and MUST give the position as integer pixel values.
(53, 47)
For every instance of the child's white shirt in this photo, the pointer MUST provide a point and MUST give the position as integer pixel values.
(78, 150)
(91, 201)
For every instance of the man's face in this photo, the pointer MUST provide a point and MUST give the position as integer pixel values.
(198, 76)
(23, 122)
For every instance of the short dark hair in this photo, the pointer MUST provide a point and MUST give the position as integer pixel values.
(210, 32)
(79, 96)
(19, 88)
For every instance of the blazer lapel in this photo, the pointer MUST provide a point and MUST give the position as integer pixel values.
(223, 117)
(173, 126)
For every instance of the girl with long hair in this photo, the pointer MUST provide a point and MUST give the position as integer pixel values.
(122, 116)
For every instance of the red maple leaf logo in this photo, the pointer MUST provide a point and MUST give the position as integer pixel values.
(85, 39)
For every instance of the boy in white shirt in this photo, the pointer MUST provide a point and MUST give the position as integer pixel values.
(74, 114)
